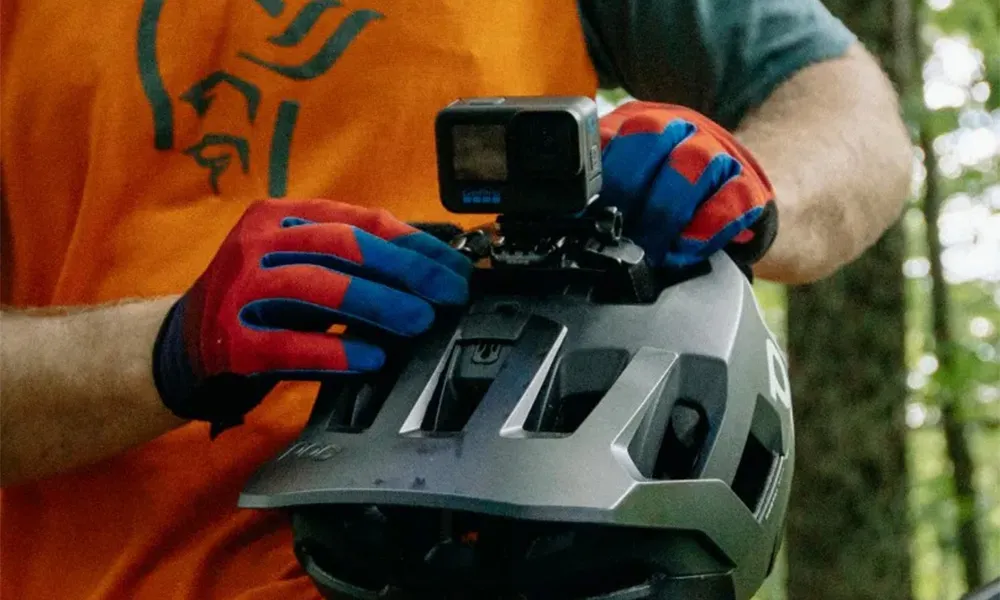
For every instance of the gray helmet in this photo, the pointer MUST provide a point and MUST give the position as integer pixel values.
(552, 446)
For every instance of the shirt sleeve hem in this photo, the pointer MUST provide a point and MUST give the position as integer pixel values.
(735, 106)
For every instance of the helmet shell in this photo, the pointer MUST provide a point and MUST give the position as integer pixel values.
(669, 423)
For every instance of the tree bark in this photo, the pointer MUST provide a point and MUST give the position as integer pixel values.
(848, 531)
(848, 534)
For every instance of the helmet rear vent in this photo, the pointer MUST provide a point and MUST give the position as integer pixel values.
(753, 473)
(758, 462)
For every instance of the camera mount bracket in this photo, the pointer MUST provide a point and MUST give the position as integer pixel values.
(579, 254)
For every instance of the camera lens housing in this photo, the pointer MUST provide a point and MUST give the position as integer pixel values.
(545, 144)
(518, 155)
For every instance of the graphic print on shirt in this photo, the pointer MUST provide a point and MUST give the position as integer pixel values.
(216, 150)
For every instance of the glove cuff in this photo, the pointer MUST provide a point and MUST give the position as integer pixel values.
(220, 400)
(764, 230)
(172, 372)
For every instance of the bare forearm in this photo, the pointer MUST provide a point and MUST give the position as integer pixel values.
(77, 387)
(838, 154)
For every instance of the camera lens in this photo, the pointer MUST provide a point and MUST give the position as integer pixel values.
(546, 141)
(545, 144)
(549, 143)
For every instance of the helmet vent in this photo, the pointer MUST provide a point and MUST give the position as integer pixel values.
(473, 368)
(355, 404)
(682, 442)
(753, 472)
(678, 428)
(759, 461)
(578, 384)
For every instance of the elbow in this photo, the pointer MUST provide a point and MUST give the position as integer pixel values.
(874, 198)
(836, 227)
(887, 151)
(895, 154)
(890, 161)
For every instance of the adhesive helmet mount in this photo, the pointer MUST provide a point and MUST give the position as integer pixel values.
(585, 428)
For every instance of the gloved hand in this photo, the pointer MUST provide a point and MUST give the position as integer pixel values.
(686, 187)
(287, 272)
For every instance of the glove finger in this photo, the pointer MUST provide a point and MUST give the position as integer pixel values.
(706, 165)
(699, 168)
(687, 250)
(735, 195)
(306, 354)
(379, 223)
(430, 246)
(750, 245)
(306, 297)
(631, 164)
(731, 145)
(738, 202)
(354, 251)
(638, 116)
(664, 197)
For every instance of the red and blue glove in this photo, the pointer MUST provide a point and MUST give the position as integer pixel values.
(268, 305)
(686, 187)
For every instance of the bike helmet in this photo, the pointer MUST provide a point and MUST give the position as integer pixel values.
(553, 440)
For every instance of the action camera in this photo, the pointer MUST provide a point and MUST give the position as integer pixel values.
(519, 155)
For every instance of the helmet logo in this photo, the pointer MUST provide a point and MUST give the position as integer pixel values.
(486, 353)
(778, 374)
(310, 450)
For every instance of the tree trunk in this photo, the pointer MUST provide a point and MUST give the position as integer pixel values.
(848, 534)
(848, 531)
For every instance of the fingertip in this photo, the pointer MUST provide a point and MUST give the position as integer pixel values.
(295, 222)
(415, 316)
(434, 248)
(419, 264)
(398, 312)
(362, 356)
(460, 264)
(443, 286)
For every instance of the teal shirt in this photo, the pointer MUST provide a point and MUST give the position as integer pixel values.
(720, 57)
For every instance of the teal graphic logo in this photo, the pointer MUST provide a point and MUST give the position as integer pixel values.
(217, 151)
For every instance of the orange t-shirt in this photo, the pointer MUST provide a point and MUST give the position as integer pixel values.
(134, 135)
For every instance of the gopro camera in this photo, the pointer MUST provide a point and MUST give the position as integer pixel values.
(519, 155)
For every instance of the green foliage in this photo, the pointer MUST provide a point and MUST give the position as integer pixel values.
(966, 374)
(940, 121)
(978, 20)
(613, 96)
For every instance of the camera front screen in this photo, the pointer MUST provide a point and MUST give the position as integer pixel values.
(480, 152)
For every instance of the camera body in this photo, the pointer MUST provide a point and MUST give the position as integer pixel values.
(535, 162)
(529, 156)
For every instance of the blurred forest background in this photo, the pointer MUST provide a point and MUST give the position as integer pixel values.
(895, 361)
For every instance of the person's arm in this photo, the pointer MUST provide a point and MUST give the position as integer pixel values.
(800, 93)
(839, 157)
(77, 387)
(90, 383)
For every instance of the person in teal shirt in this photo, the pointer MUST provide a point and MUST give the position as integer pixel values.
(93, 441)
